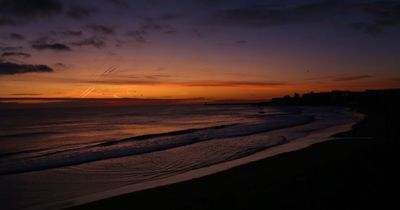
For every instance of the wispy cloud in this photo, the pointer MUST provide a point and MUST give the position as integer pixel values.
(11, 48)
(61, 66)
(101, 29)
(206, 84)
(120, 3)
(49, 43)
(6, 22)
(80, 12)
(91, 41)
(14, 36)
(378, 15)
(351, 78)
(52, 46)
(15, 54)
(71, 33)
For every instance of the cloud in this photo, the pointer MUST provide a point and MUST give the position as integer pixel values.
(7, 68)
(14, 36)
(138, 36)
(67, 33)
(72, 33)
(351, 78)
(150, 24)
(48, 43)
(147, 27)
(80, 12)
(17, 54)
(8, 48)
(120, 3)
(92, 41)
(243, 84)
(375, 16)
(101, 29)
(369, 28)
(154, 80)
(270, 15)
(6, 22)
(52, 46)
(169, 16)
(29, 9)
(61, 66)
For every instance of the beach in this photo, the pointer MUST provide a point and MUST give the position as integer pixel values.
(91, 160)
(355, 170)
(199, 104)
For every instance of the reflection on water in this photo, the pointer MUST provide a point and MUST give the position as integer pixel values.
(52, 155)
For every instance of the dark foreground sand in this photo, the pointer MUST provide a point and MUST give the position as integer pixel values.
(349, 173)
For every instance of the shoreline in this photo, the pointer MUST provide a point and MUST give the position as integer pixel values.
(355, 171)
(298, 144)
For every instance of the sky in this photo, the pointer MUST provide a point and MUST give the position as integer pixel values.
(196, 49)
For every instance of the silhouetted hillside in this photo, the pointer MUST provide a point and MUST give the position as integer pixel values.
(367, 98)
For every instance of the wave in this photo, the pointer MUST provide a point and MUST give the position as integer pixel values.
(147, 143)
(30, 134)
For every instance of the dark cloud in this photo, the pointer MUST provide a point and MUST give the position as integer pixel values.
(26, 10)
(369, 28)
(80, 12)
(170, 16)
(376, 16)
(120, 3)
(67, 33)
(268, 15)
(14, 36)
(351, 78)
(151, 24)
(48, 43)
(15, 54)
(52, 46)
(72, 33)
(7, 68)
(10, 48)
(170, 32)
(6, 22)
(211, 2)
(29, 9)
(138, 36)
(61, 66)
(101, 29)
(92, 41)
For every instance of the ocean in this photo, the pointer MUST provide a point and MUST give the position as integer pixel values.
(54, 157)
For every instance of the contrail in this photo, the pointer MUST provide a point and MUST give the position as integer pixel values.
(84, 92)
(105, 73)
(109, 71)
(88, 92)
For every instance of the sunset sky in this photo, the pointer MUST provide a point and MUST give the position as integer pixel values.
(192, 49)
